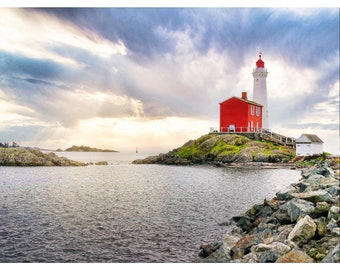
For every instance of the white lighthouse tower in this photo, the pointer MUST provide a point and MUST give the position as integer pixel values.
(260, 89)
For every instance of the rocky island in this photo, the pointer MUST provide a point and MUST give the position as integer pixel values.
(83, 148)
(225, 149)
(33, 157)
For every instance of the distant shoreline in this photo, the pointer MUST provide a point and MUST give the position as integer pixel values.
(84, 148)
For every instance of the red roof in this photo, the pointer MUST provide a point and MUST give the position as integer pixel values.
(260, 63)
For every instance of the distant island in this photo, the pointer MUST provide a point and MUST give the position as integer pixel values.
(83, 148)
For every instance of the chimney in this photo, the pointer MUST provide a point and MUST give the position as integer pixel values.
(244, 95)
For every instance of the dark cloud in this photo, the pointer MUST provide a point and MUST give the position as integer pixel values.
(135, 27)
(303, 41)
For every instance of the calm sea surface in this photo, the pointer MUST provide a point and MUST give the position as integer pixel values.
(123, 212)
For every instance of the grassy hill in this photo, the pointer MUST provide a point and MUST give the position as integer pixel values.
(224, 149)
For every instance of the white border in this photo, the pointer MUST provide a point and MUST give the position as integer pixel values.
(169, 3)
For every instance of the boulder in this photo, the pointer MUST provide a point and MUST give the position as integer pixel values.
(331, 224)
(243, 246)
(321, 228)
(218, 256)
(328, 182)
(334, 212)
(320, 210)
(279, 247)
(273, 204)
(208, 249)
(303, 231)
(295, 256)
(333, 256)
(336, 231)
(286, 193)
(334, 190)
(244, 222)
(229, 241)
(269, 256)
(297, 207)
(323, 170)
(315, 179)
(314, 196)
(282, 214)
(250, 258)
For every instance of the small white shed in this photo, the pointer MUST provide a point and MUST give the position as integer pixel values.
(309, 145)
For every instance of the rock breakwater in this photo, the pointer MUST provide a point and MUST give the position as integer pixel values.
(300, 224)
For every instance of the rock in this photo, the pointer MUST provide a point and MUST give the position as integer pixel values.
(334, 191)
(243, 246)
(208, 249)
(229, 241)
(274, 246)
(328, 182)
(274, 204)
(286, 194)
(305, 187)
(307, 172)
(314, 179)
(334, 212)
(321, 228)
(244, 222)
(336, 231)
(250, 258)
(218, 256)
(282, 214)
(320, 210)
(102, 163)
(331, 224)
(303, 230)
(295, 256)
(333, 256)
(324, 170)
(269, 256)
(266, 211)
(314, 196)
(297, 207)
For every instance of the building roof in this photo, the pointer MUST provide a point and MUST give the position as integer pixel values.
(309, 138)
(244, 100)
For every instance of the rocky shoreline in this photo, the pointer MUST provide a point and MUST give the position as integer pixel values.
(301, 224)
(33, 157)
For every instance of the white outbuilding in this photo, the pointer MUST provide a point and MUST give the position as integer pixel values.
(309, 145)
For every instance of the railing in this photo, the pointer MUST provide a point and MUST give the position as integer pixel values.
(237, 130)
(265, 133)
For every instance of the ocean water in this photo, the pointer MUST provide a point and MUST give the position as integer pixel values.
(123, 212)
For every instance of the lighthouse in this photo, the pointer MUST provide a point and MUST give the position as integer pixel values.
(260, 89)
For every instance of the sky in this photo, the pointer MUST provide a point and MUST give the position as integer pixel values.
(153, 78)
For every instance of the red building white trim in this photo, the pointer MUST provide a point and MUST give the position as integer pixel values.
(240, 115)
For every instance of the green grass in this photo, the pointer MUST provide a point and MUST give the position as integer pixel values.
(214, 145)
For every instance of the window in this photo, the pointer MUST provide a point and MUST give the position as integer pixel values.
(252, 109)
(258, 110)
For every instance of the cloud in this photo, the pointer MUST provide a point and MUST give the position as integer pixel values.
(64, 67)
